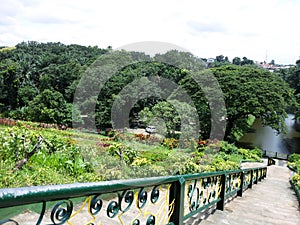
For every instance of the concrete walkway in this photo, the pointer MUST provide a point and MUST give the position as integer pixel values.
(271, 201)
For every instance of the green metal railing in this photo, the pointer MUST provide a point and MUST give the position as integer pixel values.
(275, 155)
(271, 161)
(149, 201)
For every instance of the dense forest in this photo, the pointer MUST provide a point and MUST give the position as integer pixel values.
(38, 82)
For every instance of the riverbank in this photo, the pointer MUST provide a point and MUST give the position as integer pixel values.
(247, 124)
(266, 138)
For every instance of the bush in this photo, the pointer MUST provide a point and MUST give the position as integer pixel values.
(294, 157)
(296, 179)
(228, 148)
(156, 155)
(190, 167)
(170, 143)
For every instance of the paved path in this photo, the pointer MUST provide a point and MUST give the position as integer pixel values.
(270, 202)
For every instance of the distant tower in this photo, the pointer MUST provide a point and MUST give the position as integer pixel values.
(266, 59)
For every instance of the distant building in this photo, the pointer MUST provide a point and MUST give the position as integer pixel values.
(272, 67)
(210, 60)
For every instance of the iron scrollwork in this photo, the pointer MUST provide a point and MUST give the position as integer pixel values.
(96, 205)
(128, 198)
(149, 205)
(61, 212)
(233, 182)
(202, 192)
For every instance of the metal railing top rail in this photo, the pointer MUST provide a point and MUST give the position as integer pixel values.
(35, 194)
(276, 155)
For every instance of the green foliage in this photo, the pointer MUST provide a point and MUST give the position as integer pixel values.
(190, 167)
(294, 163)
(228, 148)
(40, 86)
(42, 66)
(124, 152)
(173, 116)
(48, 107)
(157, 154)
(294, 157)
(58, 160)
(170, 143)
(138, 162)
(219, 164)
(247, 90)
(61, 159)
(296, 179)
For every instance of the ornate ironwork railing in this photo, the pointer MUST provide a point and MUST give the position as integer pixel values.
(157, 200)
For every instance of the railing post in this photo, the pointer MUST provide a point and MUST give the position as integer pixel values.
(240, 192)
(265, 174)
(256, 179)
(251, 179)
(221, 203)
(177, 198)
(259, 178)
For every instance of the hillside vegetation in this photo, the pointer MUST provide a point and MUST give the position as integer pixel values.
(32, 155)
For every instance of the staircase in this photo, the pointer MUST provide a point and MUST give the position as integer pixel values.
(273, 201)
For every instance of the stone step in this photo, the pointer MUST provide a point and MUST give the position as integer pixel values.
(271, 201)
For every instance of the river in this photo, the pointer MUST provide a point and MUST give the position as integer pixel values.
(266, 138)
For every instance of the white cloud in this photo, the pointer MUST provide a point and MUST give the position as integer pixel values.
(207, 28)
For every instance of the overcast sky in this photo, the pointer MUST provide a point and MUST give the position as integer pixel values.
(255, 29)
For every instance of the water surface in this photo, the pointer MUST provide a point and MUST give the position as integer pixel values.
(267, 139)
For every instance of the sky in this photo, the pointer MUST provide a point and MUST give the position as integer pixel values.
(258, 29)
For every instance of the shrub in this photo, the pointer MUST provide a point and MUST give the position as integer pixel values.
(140, 162)
(228, 148)
(294, 157)
(156, 155)
(170, 143)
(296, 179)
(190, 167)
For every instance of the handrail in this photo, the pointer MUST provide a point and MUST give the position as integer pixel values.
(180, 196)
(276, 155)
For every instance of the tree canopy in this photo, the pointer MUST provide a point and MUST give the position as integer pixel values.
(247, 91)
(38, 81)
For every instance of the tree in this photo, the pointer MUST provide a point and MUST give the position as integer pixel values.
(292, 77)
(236, 61)
(246, 61)
(31, 67)
(49, 107)
(272, 62)
(220, 58)
(253, 91)
(10, 81)
(248, 91)
(170, 116)
(172, 66)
